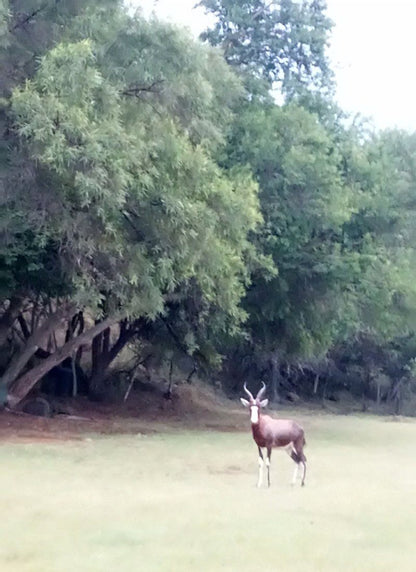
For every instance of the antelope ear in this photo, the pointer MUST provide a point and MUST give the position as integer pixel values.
(264, 403)
(244, 402)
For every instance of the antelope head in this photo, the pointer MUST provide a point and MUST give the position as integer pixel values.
(255, 403)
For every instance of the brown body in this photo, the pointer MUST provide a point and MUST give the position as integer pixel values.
(269, 433)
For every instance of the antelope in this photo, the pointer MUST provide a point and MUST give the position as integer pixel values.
(269, 433)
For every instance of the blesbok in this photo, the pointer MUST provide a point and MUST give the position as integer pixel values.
(269, 433)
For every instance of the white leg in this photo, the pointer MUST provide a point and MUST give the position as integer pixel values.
(295, 474)
(261, 464)
(268, 470)
(303, 473)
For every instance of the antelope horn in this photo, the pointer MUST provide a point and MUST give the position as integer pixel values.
(261, 391)
(248, 393)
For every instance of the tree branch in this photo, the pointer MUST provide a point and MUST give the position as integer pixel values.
(32, 15)
(8, 318)
(137, 90)
(33, 343)
(41, 353)
(20, 388)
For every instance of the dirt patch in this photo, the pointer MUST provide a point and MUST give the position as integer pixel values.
(145, 412)
(230, 470)
(192, 407)
(27, 428)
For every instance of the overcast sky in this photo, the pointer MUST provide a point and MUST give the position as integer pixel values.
(372, 51)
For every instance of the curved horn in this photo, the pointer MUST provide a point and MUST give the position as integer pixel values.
(261, 391)
(248, 393)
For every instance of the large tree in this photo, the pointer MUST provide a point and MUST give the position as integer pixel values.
(114, 129)
(336, 204)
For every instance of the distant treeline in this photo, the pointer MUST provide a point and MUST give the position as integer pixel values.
(202, 198)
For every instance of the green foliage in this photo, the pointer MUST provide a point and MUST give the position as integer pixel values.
(380, 231)
(4, 23)
(138, 176)
(71, 118)
(305, 204)
(282, 42)
(117, 132)
(337, 226)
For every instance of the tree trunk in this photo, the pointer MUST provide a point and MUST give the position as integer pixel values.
(105, 354)
(316, 384)
(74, 376)
(324, 392)
(20, 388)
(9, 317)
(168, 393)
(378, 396)
(275, 376)
(33, 343)
(40, 353)
(106, 340)
(81, 326)
(367, 386)
(96, 351)
(101, 357)
(398, 402)
(192, 373)
(76, 322)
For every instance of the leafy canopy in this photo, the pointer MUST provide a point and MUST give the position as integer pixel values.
(116, 133)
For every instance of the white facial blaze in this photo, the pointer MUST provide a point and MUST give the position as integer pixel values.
(254, 413)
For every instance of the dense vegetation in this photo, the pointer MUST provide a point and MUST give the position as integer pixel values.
(198, 198)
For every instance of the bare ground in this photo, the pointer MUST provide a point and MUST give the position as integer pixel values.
(145, 412)
(193, 407)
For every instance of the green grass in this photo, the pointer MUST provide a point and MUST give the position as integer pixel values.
(186, 501)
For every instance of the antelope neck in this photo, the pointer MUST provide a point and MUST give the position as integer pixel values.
(257, 430)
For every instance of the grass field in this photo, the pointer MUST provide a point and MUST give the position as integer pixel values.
(186, 501)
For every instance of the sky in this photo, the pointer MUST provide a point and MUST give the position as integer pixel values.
(372, 54)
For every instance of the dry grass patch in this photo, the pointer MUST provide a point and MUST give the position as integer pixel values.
(186, 500)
